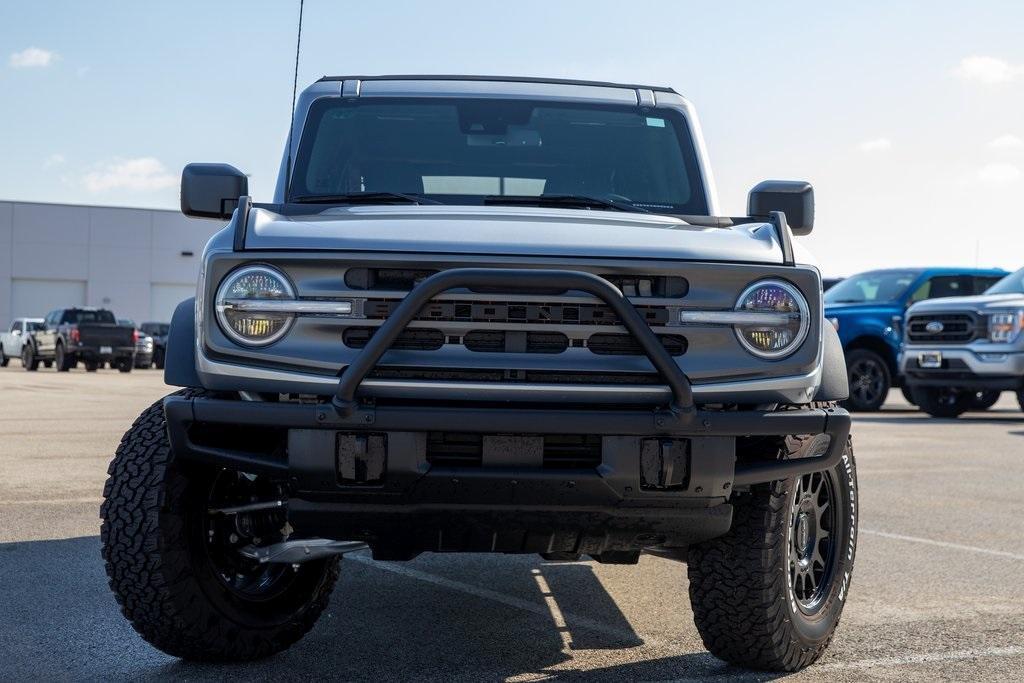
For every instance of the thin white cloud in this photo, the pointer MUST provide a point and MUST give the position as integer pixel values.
(999, 174)
(875, 145)
(144, 173)
(54, 160)
(32, 57)
(987, 70)
(1007, 142)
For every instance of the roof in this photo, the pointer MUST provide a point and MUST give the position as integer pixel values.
(500, 79)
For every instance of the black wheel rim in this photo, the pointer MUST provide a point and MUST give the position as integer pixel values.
(812, 540)
(224, 534)
(867, 381)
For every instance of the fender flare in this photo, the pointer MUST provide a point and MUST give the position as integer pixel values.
(180, 352)
(835, 384)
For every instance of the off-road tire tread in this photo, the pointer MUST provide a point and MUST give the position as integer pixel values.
(155, 587)
(737, 592)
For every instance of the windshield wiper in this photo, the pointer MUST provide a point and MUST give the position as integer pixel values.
(363, 198)
(567, 200)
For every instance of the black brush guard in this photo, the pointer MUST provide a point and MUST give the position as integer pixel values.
(680, 418)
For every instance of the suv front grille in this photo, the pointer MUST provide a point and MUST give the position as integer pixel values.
(512, 312)
(953, 328)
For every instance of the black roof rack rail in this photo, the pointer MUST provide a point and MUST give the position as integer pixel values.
(502, 79)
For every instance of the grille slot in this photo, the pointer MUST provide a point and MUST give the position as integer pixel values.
(395, 279)
(956, 328)
(411, 339)
(626, 344)
(561, 451)
(499, 341)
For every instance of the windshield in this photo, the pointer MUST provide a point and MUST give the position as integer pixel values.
(461, 151)
(1011, 284)
(875, 287)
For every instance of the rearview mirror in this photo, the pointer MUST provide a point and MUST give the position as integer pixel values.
(211, 190)
(795, 198)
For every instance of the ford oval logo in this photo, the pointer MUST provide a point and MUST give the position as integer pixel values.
(934, 327)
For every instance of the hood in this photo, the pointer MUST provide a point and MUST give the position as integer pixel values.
(980, 304)
(515, 231)
(877, 308)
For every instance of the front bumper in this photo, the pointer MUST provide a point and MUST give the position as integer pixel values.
(965, 368)
(516, 505)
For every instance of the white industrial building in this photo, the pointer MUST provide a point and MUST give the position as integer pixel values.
(139, 263)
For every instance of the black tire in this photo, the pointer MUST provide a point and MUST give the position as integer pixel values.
(124, 364)
(158, 359)
(869, 378)
(751, 604)
(943, 402)
(983, 400)
(1020, 399)
(63, 361)
(4, 360)
(28, 358)
(91, 366)
(908, 394)
(160, 567)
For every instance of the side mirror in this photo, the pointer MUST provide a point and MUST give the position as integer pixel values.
(211, 190)
(793, 197)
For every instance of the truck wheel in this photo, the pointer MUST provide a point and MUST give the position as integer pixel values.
(908, 394)
(28, 358)
(1020, 399)
(983, 400)
(124, 364)
(869, 380)
(158, 360)
(768, 595)
(63, 361)
(91, 366)
(174, 566)
(4, 360)
(943, 401)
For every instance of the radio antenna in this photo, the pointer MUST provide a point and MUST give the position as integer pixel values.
(291, 118)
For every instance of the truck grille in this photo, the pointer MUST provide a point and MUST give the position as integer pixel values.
(947, 328)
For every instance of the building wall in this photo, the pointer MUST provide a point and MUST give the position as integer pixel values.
(132, 261)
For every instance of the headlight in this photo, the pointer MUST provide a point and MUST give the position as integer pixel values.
(782, 328)
(241, 305)
(1005, 326)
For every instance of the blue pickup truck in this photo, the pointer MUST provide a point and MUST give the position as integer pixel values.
(867, 310)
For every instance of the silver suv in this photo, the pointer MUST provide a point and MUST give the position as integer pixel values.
(956, 348)
(490, 315)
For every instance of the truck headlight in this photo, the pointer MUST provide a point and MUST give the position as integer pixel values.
(784, 325)
(241, 305)
(1005, 326)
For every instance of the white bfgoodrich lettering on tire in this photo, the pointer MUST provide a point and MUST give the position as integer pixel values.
(851, 543)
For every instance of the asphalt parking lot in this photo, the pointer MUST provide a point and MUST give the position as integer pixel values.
(938, 590)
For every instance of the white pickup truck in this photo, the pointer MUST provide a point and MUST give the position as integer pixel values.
(12, 341)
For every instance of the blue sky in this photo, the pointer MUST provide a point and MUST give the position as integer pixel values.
(907, 117)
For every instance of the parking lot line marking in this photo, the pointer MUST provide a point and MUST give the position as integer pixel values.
(52, 501)
(944, 544)
(569, 619)
(924, 658)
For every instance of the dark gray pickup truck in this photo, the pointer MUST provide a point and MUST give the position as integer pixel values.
(496, 315)
(91, 336)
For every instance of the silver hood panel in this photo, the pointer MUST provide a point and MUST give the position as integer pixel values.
(979, 304)
(521, 231)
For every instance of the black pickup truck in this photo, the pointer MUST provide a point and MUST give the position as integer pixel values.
(90, 335)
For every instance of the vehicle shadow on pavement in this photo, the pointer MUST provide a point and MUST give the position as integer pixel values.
(444, 618)
(1003, 417)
